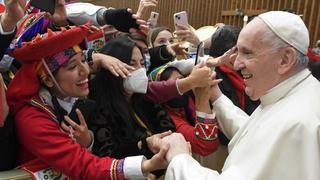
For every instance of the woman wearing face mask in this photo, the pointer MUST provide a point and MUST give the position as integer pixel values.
(123, 107)
(53, 77)
(191, 113)
(125, 117)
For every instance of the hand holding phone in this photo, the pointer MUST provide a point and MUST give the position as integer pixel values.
(180, 18)
(153, 20)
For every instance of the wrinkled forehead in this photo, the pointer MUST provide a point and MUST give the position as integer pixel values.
(251, 35)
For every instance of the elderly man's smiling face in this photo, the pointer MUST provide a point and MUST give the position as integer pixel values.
(257, 60)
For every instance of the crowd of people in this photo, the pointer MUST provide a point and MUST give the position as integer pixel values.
(91, 92)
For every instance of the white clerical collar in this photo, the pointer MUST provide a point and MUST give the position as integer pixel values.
(66, 103)
(284, 87)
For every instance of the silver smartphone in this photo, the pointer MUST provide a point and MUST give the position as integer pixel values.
(180, 18)
(153, 20)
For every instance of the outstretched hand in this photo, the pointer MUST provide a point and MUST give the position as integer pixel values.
(176, 49)
(114, 65)
(144, 5)
(186, 33)
(227, 58)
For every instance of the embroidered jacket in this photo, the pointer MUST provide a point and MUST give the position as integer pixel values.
(43, 144)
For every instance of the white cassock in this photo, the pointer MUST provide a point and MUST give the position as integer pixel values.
(279, 141)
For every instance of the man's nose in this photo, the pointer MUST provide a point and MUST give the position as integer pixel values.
(238, 64)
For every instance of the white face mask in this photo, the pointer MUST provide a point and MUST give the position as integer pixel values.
(137, 82)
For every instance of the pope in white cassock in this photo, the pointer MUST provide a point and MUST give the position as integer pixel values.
(281, 139)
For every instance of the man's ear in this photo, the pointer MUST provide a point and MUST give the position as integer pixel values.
(47, 81)
(288, 60)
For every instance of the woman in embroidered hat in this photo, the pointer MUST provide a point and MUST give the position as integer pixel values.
(54, 75)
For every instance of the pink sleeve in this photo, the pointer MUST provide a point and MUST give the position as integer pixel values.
(162, 91)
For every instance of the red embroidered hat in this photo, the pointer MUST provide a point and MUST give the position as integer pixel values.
(26, 84)
(50, 44)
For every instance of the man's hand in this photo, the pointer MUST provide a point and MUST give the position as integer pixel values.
(114, 65)
(13, 13)
(227, 58)
(158, 161)
(154, 141)
(178, 145)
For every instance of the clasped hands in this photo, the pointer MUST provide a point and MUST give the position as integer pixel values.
(165, 146)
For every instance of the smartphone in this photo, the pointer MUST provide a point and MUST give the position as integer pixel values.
(153, 20)
(87, 108)
(180, 18)
(200, 52)
(45, 5)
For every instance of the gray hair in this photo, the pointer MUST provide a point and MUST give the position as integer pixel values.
(277, 43)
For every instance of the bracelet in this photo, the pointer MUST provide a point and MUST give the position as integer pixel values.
(88, 56)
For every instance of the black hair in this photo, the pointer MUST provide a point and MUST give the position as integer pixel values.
(224, 39)
(165, 75)
(108, 91)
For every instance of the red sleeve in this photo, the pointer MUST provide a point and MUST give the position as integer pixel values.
(200, 144)
(162, 91)
(43, 138)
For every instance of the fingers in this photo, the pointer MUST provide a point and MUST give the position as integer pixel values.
(149, 4)
(164, 134)
(163, 150)
(213, 62)
(113, 71)
(122, 69)
(215, 82)
(65, 127)
(129, 10)
(128, 67)
(118, 71)
(81, 118)
(182, 27)
(182, 33)
(199, 65)
(112, 32)
(72, 123)
(185, 54)
(94, 28)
